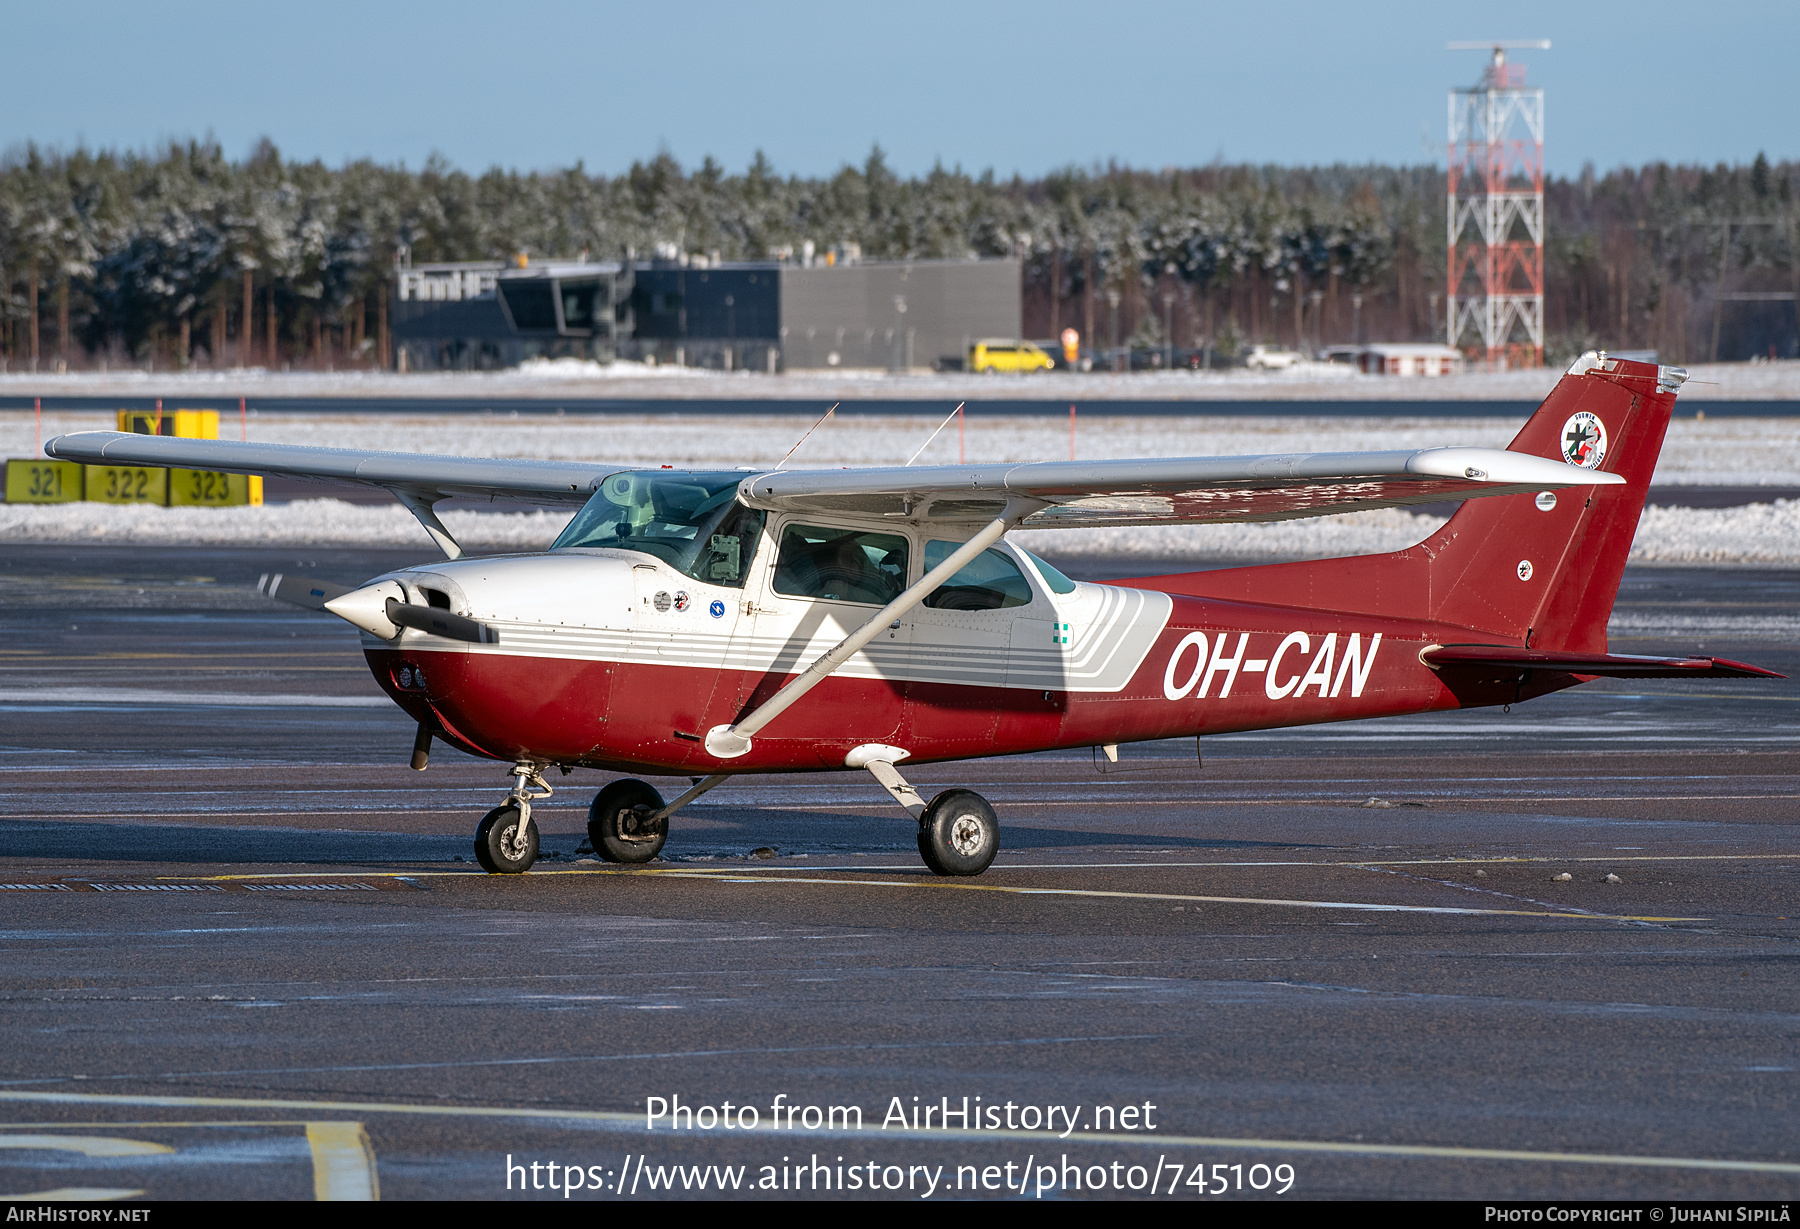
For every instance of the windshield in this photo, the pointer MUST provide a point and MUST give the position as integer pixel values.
(691, 521)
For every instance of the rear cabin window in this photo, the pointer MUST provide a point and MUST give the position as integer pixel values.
(990, 581)
(845, 565)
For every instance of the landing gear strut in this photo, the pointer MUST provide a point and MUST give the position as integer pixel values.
(506, 841)
(958, 831)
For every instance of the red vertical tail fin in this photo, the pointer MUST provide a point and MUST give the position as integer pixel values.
(1606, 414)
(1541, 569)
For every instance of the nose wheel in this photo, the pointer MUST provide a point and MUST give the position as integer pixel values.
(505, 844)
(506, 840)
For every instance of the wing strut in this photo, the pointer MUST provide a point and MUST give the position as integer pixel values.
(424, 511)
(728, 742)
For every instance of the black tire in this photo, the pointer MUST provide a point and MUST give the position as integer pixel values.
(496, 845)
(958, 834)
(619, 826)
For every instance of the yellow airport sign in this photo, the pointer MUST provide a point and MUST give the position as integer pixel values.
(201, 488)
(127, 484)
(185, 424)
(31, 481)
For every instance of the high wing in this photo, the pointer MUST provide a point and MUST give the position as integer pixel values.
(429, 477)
(416, 480)
(1183, 490)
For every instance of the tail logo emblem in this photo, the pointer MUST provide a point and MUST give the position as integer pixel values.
(1584, 440)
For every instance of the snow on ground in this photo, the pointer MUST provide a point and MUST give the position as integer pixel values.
(1757, 535)
(573, 378)
(1710, 452)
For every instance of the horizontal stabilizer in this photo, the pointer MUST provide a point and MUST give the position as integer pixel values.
(1603, 665)
(299, 590)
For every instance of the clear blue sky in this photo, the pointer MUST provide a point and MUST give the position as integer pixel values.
(1021, 87)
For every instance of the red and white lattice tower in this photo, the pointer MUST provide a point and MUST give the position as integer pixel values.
(1495, 266)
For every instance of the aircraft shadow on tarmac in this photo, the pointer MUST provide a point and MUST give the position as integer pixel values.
(1021, 837)
(800, 831)
(787, 833)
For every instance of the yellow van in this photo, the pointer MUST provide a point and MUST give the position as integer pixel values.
(1002, 355)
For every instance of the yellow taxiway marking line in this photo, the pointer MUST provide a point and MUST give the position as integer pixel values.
(1420, 1151)
(191, 816)
(1082, 866)
(727, 875)
(343, 1162)
(1347, 801)
(701, 871)
(1362, 906)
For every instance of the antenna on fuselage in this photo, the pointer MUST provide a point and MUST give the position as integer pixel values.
(809, 431)
(934, 434)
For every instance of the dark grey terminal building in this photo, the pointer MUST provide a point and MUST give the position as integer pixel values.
(760, 316)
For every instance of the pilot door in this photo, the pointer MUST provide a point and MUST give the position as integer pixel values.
(819, 584)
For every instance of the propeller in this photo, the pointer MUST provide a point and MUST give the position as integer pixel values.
(439, 623)
(380, 609)
(299, 590)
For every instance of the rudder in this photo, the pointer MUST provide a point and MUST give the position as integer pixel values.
(1549, 577)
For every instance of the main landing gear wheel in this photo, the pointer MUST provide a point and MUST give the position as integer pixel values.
(500, 846)
(620, 827)
(958, 833)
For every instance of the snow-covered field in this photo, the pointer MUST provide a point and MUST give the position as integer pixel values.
(1758, 535)
(1709, 452)
(573, 378)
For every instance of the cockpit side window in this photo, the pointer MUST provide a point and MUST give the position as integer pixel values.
(846, 565)
(725, 559)
(989, 581)
(691, 521)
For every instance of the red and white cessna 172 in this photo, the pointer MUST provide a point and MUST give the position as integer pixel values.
(708, 624)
